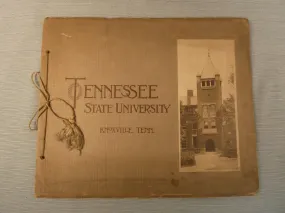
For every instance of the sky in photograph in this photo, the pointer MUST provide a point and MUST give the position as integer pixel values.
(192, 58)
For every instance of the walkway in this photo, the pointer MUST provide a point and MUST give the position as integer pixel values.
(211, 161)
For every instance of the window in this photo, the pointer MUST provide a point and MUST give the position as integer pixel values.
(212, 110)
(206, 125)
(190, 110)
(195, 126)
(205, 111)
(213, 124)
(208, 83)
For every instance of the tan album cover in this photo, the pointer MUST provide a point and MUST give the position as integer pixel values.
(145, 108)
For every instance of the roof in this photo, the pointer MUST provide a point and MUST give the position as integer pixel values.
(209, 70)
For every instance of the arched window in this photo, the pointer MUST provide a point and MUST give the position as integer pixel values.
(205, 111)
(212, 110)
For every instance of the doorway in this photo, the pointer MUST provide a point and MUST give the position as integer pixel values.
(210, 146)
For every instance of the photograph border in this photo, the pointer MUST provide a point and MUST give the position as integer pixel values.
(246, 180)
(235, 103)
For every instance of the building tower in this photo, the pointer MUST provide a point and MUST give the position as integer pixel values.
(209, 100)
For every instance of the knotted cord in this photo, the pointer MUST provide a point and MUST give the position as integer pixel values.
(71, 134)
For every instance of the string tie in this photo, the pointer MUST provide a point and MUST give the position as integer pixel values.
(71, 134)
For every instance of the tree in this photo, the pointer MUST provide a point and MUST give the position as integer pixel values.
(231, 79)
(227, 110)
(227, 115)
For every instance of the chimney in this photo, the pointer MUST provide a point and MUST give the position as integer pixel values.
(189, 95)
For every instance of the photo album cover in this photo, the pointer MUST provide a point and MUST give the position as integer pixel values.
(145, 107)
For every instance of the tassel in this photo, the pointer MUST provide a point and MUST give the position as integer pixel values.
(72, 135)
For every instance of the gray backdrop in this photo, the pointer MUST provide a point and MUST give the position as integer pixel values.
(20, 45)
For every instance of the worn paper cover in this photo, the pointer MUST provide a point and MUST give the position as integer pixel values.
(162, 108)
